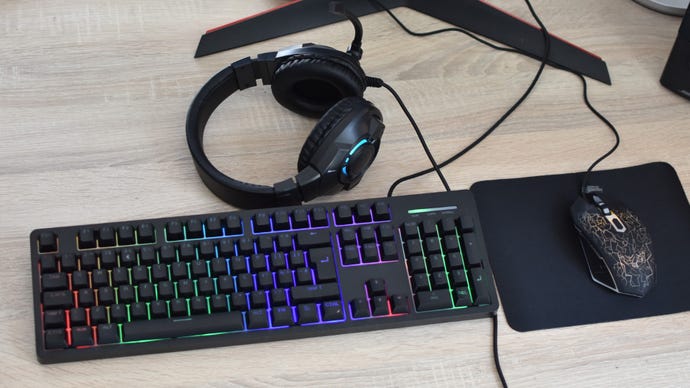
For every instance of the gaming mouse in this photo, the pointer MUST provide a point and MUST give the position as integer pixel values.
(616, 245)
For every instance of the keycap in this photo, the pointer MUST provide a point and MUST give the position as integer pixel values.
(332, 311)
(313, 239)
(106, 236)
(145, 233)
(195, 228)
(379, 306)
(233, 225)
(262, 222)
(214, 227)
(381, 211)
(47, 242)
(86, 238)
(282, 316)
(77, 317)
(376, 287)
(108, 334)
(300, 219)
(466, 223)
(362, 213)
(343, 215)
(173, 231)
(480, 281)
(359, 308)
(399, 304)
(173, 328)
(55, 339)
(81, 336)
(433, 300)
(53, 319)
(125, 235)
(306, 313)
(281, 220)
(257, 319)
(314, 293)
(474, 258)
(57, 299)
(54, 281)
(321, 260)
(319, 217)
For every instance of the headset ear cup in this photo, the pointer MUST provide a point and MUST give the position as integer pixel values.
(310, 86)
(321, 130)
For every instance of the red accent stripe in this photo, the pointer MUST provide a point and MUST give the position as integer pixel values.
(253, 16)
(539, 29)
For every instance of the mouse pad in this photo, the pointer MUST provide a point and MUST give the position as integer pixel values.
(538, 264)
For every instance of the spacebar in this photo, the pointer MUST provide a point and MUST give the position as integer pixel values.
(184, 326)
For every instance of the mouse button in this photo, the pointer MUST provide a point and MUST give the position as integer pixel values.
(597, 267)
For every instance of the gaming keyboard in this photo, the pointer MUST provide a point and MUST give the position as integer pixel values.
(146, 286)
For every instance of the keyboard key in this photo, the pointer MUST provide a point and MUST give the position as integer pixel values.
(173, 231)
(379, 306)
(282, 316)
(108, 334)
(300, 219)
(376, 287)
(88, 261)
(416, 264)
(118, 313)
(81, 336)
(195, 229)
(77, 317)
(106, 236)
(54, 281)
(80, 279)
(57, 299)
(54, 319)
(306, 313)
(480, 281)
(214, 227)
(109, 258)
(138, 311)
(125, 235)
(55, 339)
(262, 222)
(474, 258)
(362, 213)
(332, 311)
(48, 263)
(238, 301)
(343, 215)
(381, 211)
(314, 293)
(303, 276)
(367, 234)
(98, 315)
(359, 308)
(219, 303)
(173, 328)
(321, 259)
(233, 225)
(145, 233)
(433, 300)
(461, 297)
(319, 217)
(313, 239)
(47, 242)
(86, 238)
(399, 304)
(257, 319)
(281, 220)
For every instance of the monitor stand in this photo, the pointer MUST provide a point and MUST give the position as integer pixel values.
(474, 15)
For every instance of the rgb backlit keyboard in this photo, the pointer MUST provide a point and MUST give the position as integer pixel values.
(240, 277)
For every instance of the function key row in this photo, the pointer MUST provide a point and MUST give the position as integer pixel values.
(108, 236)
(362, 213)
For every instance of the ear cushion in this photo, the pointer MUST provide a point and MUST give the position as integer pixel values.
(321, 130)
(310, 86)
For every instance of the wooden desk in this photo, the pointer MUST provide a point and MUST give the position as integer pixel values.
(93, 99)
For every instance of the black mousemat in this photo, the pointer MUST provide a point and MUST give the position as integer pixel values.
(538, 264)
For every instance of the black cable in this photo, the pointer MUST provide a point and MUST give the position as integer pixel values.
(605, 121)
(376, 82)
(547, 45)
(496, 361)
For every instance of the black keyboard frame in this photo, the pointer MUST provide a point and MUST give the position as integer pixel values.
(462, 199)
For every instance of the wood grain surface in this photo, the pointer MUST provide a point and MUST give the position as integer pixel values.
(93, 99)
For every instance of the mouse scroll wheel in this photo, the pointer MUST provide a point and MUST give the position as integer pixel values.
(617, 224)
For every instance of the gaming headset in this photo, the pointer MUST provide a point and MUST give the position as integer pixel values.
(311, 80)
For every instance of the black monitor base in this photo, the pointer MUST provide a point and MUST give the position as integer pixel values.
(473, 15)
